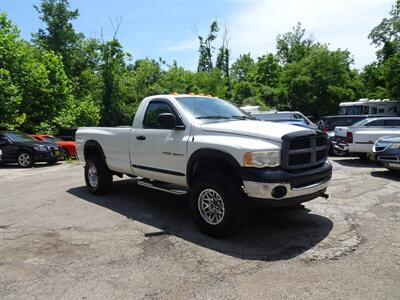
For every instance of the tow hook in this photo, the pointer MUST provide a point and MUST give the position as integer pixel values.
(326, 196)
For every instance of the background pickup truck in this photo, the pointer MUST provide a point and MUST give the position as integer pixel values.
(213, 151)
(361, 137)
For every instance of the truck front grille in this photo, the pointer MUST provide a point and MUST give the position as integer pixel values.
(303, 150)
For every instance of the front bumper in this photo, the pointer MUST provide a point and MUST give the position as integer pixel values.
(47, 157)
(278, 187)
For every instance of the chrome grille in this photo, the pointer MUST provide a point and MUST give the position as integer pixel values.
(303, 150)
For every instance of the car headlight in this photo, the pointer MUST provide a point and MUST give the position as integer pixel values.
(395, 146)
(260, 159)
(41, 148)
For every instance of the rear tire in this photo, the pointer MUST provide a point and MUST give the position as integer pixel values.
(97, 176)
(338, 152)
(218, 205)
(25, 159)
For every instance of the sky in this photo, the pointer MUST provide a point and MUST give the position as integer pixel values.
(168, 28)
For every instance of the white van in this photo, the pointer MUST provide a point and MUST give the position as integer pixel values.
(291, 117)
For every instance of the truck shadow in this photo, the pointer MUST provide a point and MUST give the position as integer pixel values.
(269, 234)
(387, 174)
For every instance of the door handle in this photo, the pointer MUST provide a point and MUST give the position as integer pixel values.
(140, 137)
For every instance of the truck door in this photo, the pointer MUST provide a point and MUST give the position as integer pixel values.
(160, 153)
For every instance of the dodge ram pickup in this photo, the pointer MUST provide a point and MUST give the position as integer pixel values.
(211, 150)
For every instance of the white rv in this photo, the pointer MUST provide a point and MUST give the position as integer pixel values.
(370, 107)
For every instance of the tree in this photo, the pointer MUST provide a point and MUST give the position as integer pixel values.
(59, 35)
(206, 49)
(316, 84)
(243, 67)
(386, 34)
(36, 88)
(293, 46)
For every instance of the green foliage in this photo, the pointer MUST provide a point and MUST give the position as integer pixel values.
(293, 46)
(63, 79)
(206, 49)
(59, 36)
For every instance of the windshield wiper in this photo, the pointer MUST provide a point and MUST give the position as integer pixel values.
(242, 117)
(212, 117)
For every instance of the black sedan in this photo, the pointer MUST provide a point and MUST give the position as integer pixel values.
(387, 151)
(25, 150)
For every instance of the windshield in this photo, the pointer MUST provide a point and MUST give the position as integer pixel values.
(212, 109)
(361, 123)
(351, 110)
(51, 139)
(20, 137)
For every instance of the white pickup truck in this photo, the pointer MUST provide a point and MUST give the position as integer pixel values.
(360, 137)
(212, 150)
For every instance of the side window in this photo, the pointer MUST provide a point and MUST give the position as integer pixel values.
(366, 110)
(3, 139)
(374, 110)
(376, 123)
(297, 116)
(392, 123)
(155, 108)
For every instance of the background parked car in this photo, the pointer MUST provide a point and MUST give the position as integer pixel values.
(300, 123)
(387, 151)
(329, 123)
(360, 137)
(285, 116)
(67, 134)
(25, 150)
(69, 147)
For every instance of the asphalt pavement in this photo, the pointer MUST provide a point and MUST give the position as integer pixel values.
(57, 241)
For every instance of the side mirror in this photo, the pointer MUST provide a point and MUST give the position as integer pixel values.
(166, 120)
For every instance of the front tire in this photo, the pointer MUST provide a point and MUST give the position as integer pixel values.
(391, 168)
(25, 160)
(218, 205)
(97, 177)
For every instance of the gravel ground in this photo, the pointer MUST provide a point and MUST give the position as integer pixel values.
(59, 242)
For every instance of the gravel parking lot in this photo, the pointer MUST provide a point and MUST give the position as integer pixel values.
(57, 241)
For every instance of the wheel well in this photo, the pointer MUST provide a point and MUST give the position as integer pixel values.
(212, 164)
(93, 149)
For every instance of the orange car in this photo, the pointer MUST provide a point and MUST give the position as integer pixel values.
(68, 146)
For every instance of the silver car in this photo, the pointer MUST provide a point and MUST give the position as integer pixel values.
(387, 151)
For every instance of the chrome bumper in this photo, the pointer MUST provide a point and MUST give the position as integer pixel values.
(340, 146)
(265, 190)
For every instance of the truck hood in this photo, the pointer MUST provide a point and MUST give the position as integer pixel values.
(257, 129)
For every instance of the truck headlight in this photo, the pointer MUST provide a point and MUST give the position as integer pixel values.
(260, 159)
(395, 146)
(41, 148)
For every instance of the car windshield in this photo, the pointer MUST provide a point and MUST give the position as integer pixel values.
(361, 123)
(20, 137)
(207, 108)
(51, 139)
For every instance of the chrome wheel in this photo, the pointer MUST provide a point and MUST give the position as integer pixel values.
(93, 176)
(24, 159)
(211, 207)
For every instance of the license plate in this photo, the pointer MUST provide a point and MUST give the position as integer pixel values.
(56, 152)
